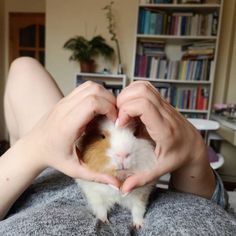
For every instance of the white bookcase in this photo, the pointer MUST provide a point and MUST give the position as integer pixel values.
(190, 94)
(113, 82)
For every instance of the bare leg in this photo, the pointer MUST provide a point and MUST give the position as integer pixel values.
(29, 94)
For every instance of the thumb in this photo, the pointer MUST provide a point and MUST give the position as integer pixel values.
(137, 180)
(144, 177)
(88, 174)
(83, 172)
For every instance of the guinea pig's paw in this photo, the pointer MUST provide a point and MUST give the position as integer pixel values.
(101, 214)
(137, 224)
(138, 211)
(105, 221)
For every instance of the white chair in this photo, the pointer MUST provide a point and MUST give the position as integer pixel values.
(208, 126)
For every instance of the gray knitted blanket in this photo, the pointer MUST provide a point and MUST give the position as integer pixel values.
(54, 205)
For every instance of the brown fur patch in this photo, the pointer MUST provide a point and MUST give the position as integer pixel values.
(93, 151)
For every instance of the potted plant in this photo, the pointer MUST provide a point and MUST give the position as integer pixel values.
(85, 51)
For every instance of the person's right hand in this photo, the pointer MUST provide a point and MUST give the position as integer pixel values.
(52, 140)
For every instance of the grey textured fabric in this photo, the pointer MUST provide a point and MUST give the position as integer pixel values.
(220, 195)
(54, 205)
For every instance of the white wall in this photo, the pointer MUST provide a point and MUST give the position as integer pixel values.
(231, 89)
(223, 82)
(80, 17)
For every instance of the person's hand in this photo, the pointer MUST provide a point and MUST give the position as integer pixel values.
(180, 148)
(53, 139)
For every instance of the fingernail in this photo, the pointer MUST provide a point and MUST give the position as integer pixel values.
(114, 187)
(117, 122)
(125, 194)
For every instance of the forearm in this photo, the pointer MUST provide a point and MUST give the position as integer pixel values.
(195, 177)
(18, 168)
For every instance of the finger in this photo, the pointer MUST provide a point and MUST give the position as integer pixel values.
(75, 169)
(140, 90)
(154, 121)
(81, 114)
(91, 88)
(143, 89)
(162, 167)
(95, 105)
(136, 180)
(88, 174)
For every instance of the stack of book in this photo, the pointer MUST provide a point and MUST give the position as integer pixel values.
(199, 50)
(146, 52)
(156, 22)
(196, 63)
(193, 98)
(155, 68)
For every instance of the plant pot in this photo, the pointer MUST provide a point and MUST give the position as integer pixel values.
(87, 66)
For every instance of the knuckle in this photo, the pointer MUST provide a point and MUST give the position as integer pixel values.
(89, 83)
(92, 101)
(144, 87)
(170, 133)
(146, 104)
(96, 88)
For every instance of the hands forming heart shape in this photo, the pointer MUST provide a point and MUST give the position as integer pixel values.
(179, 147)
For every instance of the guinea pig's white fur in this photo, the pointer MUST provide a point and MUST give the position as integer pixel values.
(101, 197)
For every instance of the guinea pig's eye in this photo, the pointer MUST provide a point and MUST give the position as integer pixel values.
(136, 133)
(103, 136)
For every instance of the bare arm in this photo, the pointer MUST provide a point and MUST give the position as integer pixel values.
(180, 149)
(18, 169)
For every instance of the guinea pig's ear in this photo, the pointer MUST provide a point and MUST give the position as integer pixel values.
(93, 125)
(140, 130)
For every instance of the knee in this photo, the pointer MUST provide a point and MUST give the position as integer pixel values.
(22, 63)
(21, 71)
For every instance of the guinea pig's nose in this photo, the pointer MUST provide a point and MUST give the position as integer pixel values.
(122, 156)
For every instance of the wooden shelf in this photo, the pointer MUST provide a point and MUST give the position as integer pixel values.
(175, 38)
(181, 6)
(194, 82)
(110, 81)
(192, 111)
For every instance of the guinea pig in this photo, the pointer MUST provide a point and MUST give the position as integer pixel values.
(107, 148)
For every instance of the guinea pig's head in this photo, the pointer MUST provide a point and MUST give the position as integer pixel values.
(109, 149)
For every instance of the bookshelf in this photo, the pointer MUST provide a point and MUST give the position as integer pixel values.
(176, 46)
(113, 82)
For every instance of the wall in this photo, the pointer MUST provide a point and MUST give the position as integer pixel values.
(226, 88)
(224, 81)
(2, 53)
(230, 93)
(80, 17)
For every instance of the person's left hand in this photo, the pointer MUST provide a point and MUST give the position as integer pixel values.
(53, 138)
